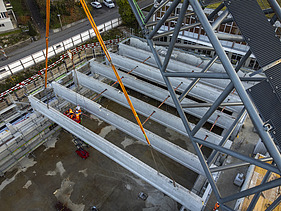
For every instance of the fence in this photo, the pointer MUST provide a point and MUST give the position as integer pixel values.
(54, 50)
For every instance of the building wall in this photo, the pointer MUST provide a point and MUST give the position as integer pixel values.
(5, 21)
(196, 35)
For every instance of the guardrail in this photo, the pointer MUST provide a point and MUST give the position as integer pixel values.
(55, 49)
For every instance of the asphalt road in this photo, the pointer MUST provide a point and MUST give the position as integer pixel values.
(100, 16)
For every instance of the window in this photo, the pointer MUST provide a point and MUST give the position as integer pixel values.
(2, 25)
(3, 15)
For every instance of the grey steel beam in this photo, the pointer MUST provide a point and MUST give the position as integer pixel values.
(164, 18)
(230, 37)
(269, 143)
(257, 195)
(209, 75)
(212, 157)
(175, 34)
(159, 94)
(212, 109)
(238, 155)
(250, 191)
(276, 7)
(152, 10)
(182, 115)
(199, 105)
(187, 46)
(195, 81)
(235, 165)
(274, 204)
(145, 172)
(162, 5)
(152, 74)
(143, 108)
(219, 20)
(165, 147)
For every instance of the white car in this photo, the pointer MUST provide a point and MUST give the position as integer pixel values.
(96, 4)
(109, 3)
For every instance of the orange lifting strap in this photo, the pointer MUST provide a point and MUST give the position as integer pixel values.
(112, 65)
(47, 38)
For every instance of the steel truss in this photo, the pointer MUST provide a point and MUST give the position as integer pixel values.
(235, 83)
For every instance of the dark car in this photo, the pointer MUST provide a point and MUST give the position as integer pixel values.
(82, 153)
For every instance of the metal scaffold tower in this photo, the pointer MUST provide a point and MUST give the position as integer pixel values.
(262, 102)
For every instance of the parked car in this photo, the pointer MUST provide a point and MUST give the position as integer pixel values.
(96, 4)
(109, 3)
(82, 153)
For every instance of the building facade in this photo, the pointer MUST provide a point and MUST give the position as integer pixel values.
(197, 36)
(5, 20)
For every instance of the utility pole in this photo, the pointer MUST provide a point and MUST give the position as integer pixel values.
(60, 21)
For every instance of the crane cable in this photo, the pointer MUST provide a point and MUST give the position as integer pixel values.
(113, 67)
(47, 38)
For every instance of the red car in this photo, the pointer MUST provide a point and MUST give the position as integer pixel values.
(82, 153)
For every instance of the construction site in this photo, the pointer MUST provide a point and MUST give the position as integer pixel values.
(185, 117)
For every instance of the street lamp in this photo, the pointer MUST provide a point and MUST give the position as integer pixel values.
(60, 21)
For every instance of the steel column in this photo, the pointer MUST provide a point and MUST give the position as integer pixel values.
(269, 143)
(175, 35)
(276, 7)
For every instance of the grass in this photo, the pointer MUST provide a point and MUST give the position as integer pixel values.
(21, 11)
(10, 33)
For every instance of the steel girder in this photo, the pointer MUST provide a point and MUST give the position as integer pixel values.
(235, 83)
(150, 175)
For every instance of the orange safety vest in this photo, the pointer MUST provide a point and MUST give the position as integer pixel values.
(77, 116)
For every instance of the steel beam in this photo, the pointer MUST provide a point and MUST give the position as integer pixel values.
(250, 191)
(195, 81)
(145, 172)
(236, 165)
(257, 195)
(143, 108)
(203, 91)
(165, 147)
(199, 105)
(276, 7)
(175, 34)
(269, 143)
(274, 204)
(164, 18)
(159, 94)
(238, 155)
(209, 75)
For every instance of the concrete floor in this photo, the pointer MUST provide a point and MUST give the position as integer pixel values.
(244, 143)
(57, 174)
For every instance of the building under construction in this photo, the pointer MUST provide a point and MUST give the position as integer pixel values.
(175, 118)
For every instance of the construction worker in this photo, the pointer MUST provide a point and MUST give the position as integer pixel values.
(217, 205)
(77, 116)
(78, 109)
(70, 113)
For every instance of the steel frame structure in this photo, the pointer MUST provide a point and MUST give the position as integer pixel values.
(231, 73)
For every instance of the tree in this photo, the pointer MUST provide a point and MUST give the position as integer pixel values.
(32, 32)
(126, 13)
